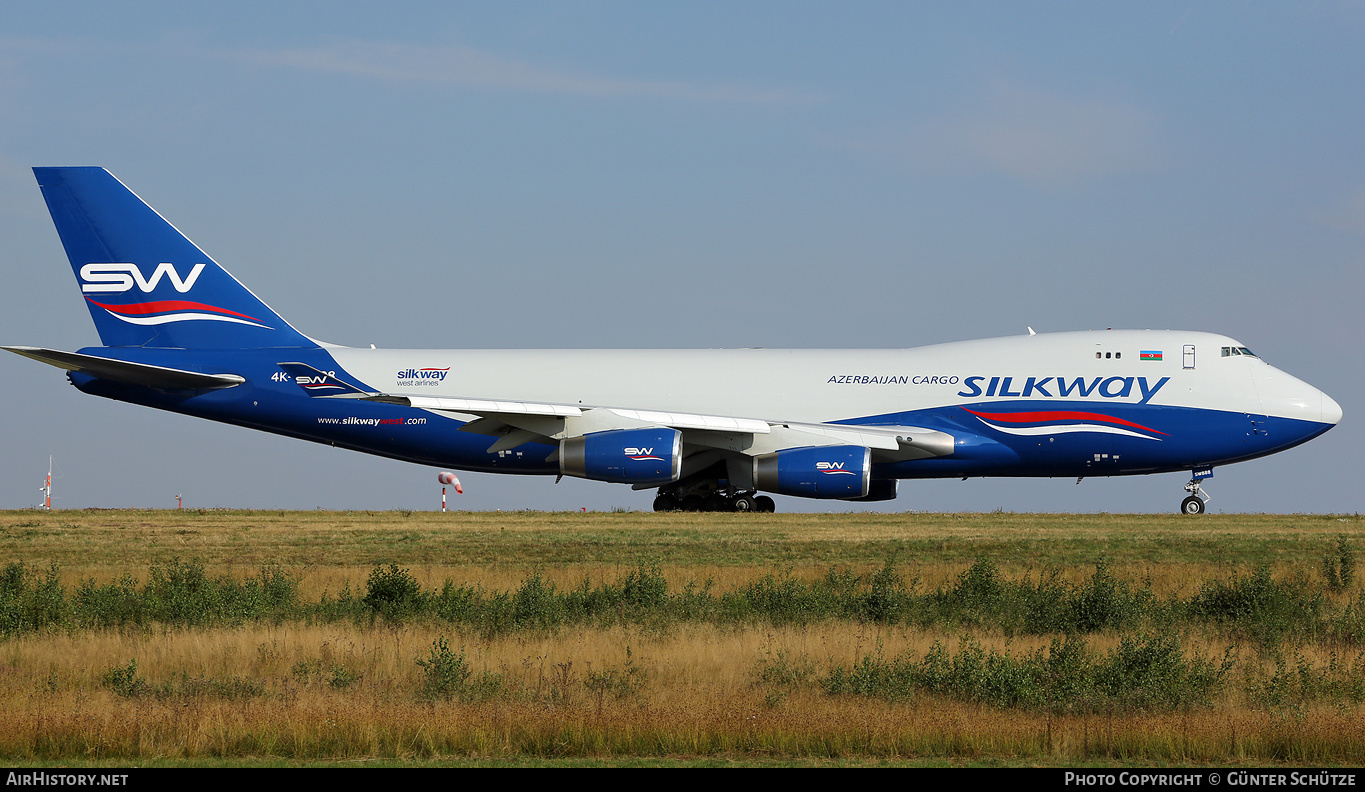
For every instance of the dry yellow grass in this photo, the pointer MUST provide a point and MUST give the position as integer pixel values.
(699, 696)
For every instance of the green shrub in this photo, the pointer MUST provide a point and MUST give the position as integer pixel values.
(535, 603)
(1339, 564)
(645, 587)
(28, 602)
(1105, 602)
(1152, 672)
(124, 681)
(393, 593)
(1259, 606)
(447, 676)
(1144, 673)
(444, 672)
(887, 597)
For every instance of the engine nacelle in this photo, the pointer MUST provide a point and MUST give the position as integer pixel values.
(624, 456)
(815, 472)
(879, 490)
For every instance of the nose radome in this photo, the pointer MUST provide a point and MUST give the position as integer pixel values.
(1331, 411)
(1285, 396)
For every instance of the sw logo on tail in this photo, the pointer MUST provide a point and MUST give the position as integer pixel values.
(119, 278)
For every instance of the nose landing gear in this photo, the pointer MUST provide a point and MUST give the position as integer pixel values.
(1194, 504)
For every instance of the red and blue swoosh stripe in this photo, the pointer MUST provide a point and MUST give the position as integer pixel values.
(167, 311)
(1045, 422)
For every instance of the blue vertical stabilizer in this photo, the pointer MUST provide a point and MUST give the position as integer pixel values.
(144, 282)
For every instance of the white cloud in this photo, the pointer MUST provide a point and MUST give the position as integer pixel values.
(1050, 137)
(1036, 135)
(462, 65)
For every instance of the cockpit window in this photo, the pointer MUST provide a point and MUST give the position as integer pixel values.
(1230, 351)
(1245, 351)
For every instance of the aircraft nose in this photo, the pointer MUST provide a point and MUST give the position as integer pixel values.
(1331, 411)
(1285, 396)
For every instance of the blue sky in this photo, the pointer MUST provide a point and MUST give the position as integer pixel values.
(692, 175)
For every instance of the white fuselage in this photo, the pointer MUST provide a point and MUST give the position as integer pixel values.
(835, 385)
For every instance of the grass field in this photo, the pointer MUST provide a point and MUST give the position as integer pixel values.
(133, 635)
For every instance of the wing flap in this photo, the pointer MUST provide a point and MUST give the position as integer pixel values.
(716, 423)
(480, 407)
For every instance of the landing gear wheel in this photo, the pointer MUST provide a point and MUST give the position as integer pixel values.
(765, 504)
(1198, 497)
(667, 503)
(744, 503)
(1192, 505)
(715, 503)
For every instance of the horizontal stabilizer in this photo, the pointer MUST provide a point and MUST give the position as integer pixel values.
(132, 373)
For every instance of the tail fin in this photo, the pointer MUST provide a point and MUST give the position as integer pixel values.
(144, 282)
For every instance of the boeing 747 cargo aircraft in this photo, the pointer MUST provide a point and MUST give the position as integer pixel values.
(709, 429)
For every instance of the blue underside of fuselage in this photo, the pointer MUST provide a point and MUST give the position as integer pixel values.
(1014, 438)
(1078, 438)
(281, 407)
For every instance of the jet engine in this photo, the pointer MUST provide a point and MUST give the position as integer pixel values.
(816, 472)
(624, 456)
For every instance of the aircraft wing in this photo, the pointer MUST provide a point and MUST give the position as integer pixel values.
(705, 438)
(514, 423)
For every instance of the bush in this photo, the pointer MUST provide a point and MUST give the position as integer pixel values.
(124, 681)
(1152, 672)
(1259, 606)
(447, 676)
(1339, 565)
(1142, 673)
(444, 672)
(886, 599)
(535, 603)
(979, 587)
(393, 593)
(28, 602)
(1105, 602)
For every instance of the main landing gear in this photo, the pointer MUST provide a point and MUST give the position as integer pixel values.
(718, 501)
(710, 491)
(1194, 504)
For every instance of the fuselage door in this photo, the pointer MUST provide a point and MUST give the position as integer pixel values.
(1187, 359)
